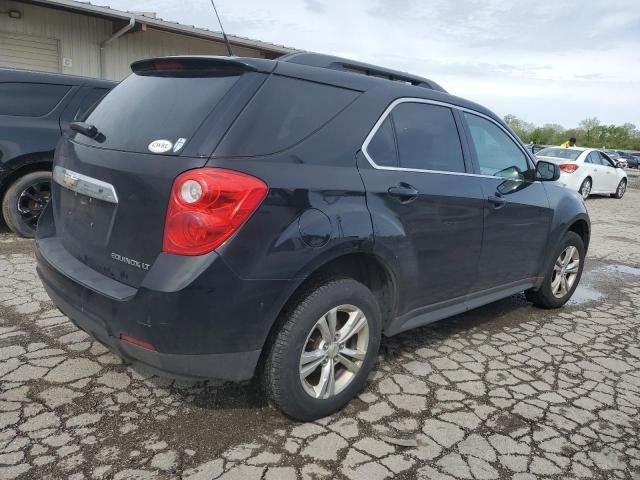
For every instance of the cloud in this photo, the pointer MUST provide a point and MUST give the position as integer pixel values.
(315, 6)
(503, 54)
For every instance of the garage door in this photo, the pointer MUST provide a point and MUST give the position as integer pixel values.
(26, 51)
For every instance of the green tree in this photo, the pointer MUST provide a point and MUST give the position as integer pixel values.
(591, 130)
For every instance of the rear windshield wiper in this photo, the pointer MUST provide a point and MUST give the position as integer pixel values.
(86, 129)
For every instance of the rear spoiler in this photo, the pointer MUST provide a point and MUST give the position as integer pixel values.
(193, 65)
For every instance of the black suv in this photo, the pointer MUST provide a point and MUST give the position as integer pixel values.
(218, 217)
(35, 108)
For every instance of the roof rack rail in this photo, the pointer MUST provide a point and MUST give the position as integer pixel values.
(344, 64)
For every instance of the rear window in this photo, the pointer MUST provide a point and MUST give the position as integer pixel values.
(284, 112)
(564, 153)
(30, 99)
(146, 108)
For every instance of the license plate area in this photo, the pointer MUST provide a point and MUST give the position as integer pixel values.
(86, 219)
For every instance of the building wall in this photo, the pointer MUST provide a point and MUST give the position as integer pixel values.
(79, 37)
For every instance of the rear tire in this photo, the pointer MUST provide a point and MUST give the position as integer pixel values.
(620, 191)
(24, 200)
(552, 294)
(300, 343)
(585, 188)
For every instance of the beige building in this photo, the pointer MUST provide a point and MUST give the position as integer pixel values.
(83, 39)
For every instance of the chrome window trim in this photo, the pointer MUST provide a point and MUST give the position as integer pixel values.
(399, 101)
(85, 185)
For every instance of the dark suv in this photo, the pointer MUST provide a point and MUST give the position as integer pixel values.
(35, 108)
(217, 217)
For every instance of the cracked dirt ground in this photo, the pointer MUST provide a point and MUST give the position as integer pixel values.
(506, 391)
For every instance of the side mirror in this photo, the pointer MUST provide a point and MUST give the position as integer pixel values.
(547, 171)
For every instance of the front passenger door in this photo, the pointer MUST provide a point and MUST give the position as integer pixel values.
(609, 173)
(517, 213)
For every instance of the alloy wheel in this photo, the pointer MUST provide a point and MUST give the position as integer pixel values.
(585, 191)
(622, 187)
(565, 271)
(32, 201)
(334, 351)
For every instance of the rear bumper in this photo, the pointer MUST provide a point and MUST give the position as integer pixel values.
(212, 327)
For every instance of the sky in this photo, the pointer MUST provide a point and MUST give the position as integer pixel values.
(544, 61)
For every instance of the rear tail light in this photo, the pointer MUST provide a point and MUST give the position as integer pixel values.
(207, 205)
(568, 167)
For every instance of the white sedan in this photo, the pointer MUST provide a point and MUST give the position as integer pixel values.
(586, 170)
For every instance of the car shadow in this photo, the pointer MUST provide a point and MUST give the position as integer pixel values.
(246, 399)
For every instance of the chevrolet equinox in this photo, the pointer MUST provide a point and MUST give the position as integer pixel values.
(225, 217)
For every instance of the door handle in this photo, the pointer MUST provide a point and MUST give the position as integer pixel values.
(404, 192)
(497, 202)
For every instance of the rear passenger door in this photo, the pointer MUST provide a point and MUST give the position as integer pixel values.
(426, 209)
(596, 172)
(517, 212)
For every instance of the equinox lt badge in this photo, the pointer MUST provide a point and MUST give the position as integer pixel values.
(130, 261)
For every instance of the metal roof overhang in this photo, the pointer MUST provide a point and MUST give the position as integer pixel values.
(157, 23)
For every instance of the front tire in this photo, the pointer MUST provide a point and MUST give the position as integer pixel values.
(562, 276)
(620, 191)
(24, 200)
(322, 354)
(585, 188)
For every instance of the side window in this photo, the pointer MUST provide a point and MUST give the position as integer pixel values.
(90, 100)
(427, 137)
(594, 158)
(30, 99)
(604, 160)
(382, 147)
(283, 113)
(497, 154)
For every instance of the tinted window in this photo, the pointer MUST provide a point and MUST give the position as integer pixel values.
(382, 148)
(30, 99)
(284, 112)
(497, 154)
(144, 108)
(90, 99)
(427, 137)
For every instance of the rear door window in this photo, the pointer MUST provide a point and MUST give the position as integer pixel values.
(427, 137)
(146, 108)
(284, 112)
(30, 99)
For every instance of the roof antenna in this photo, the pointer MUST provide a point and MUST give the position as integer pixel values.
(226, 40)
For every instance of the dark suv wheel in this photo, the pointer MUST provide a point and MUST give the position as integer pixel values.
(323, 353)
(563, 275)
(24, 200)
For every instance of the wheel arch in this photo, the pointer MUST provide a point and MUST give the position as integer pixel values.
(365, 267)
(581, 227)
(29, 163)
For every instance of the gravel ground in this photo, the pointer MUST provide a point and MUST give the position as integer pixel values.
(506, 391)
